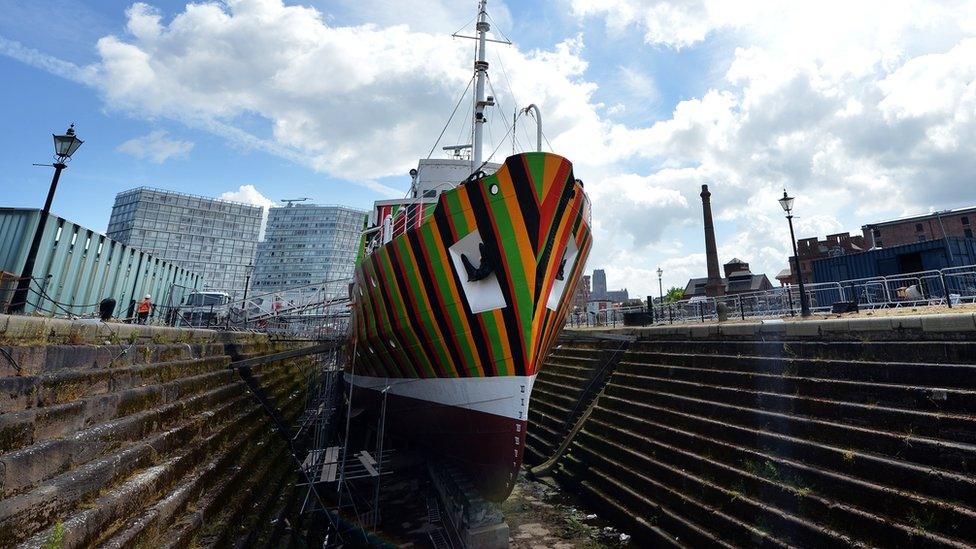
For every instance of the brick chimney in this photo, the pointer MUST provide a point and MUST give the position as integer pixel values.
(713, 286)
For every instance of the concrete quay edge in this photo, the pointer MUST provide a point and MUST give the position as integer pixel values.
(33, 330)
(946, 323)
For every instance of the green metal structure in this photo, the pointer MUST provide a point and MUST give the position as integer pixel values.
(77, 267)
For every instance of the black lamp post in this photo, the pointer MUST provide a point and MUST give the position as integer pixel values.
(787, 203)
(660, 288)
(247, 284)
(64, 146)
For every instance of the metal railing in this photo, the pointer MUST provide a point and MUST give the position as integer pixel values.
(935, 288)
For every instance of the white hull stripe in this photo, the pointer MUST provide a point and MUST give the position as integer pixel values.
(506, 396)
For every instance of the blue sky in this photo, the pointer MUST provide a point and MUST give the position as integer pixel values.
(862, 118)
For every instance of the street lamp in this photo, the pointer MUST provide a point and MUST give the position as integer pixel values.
(247, 282)
(787, 203)
(64, 146)
(660, 288)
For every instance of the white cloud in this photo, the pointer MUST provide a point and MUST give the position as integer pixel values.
(248, 194)
(156, 146)
(864, 110)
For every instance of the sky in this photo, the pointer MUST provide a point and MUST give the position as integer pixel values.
(862, 110)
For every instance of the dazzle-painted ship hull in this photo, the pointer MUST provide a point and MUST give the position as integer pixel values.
(453, 317)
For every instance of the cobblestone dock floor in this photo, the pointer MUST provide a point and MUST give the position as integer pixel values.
(540, 515)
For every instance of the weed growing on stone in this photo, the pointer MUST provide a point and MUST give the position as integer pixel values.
(55, 538)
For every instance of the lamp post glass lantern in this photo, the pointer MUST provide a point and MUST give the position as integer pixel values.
(65, 145)
(787, 203)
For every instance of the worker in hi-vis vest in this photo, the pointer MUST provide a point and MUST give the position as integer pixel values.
(145, 306)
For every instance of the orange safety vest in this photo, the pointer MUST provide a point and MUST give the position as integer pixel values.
(144, 306)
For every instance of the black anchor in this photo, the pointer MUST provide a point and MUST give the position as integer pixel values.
(481, 271)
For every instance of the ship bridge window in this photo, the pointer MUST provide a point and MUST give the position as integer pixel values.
(565, 267)
(482, 291)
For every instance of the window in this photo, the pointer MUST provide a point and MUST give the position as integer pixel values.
(965, 220)
(968, 233)
(918, 227)
(878, 243)
(877, 233)
(921, 238)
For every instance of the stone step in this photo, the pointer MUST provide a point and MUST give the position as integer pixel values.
(569, 370)
(762, 482)
(551, 409)
(952, 352)
(846, 469)
(930, 399)
(20, 429)
(635, 468)
(800, 468)
(80, 486)
(556, 376)
(554, 392)
(133, 414)
(945, 375)
(677, 501)
(948, 427)
(574, 361)
(663, 525)
(952, 458)
(648, 531)
(152, 524)
(47, 359)
(60, 387)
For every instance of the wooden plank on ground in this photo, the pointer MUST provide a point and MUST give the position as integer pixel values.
(330, 464)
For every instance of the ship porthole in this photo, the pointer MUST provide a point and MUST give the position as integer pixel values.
(493, 189)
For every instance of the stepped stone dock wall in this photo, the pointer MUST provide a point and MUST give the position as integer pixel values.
(822, 432)
(126, 436)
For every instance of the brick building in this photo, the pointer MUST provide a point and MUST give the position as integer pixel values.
(582, 295)
(738, 279)
(812, 249)
(921, 228)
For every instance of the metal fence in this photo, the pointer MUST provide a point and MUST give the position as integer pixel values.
(938, 288)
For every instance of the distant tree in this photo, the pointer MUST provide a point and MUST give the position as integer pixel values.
(674, 294)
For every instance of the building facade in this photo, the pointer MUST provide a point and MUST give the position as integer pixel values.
(599, 284)
(738, 279)
(306, 244)
(77, 267)
(215, 238)
(921, 228)
(812, 249)
(582, 295)
(930, 255)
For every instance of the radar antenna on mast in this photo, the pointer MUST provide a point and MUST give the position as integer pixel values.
(291, 201)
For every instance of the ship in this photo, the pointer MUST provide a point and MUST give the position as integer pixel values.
(459, 294)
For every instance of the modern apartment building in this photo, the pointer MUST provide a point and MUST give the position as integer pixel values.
(216, 238)
(306, 244)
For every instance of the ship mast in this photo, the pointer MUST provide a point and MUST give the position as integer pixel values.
(481, 73)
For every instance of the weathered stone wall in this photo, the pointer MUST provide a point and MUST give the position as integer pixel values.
(839, 432)
(123, 435)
